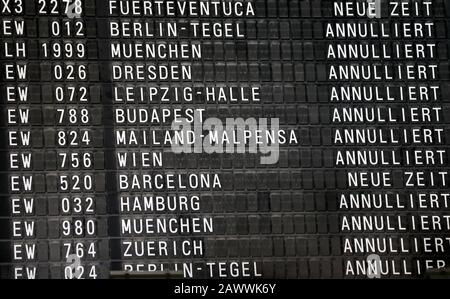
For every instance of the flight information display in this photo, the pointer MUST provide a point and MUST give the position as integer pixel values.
(223, 139)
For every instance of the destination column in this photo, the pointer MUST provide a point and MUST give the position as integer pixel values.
(159, 108)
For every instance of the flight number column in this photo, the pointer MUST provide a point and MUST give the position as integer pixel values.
(73, 139)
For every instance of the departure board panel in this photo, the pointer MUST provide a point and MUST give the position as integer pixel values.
(224, 139)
